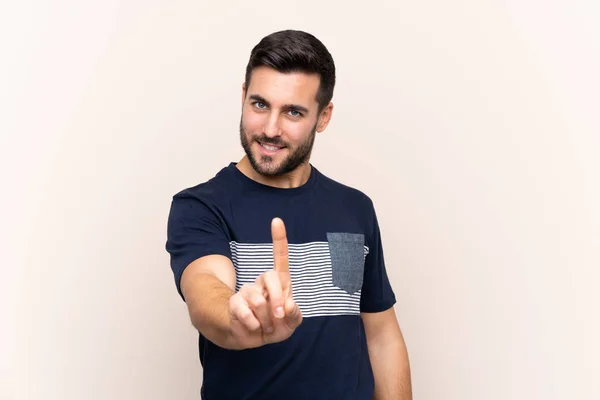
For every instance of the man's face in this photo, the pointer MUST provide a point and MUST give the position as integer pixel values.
(279, 120)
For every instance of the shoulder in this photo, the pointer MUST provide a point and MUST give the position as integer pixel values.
(208, 200)
(344, 192)
(217, 189)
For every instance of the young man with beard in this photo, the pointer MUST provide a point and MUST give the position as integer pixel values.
(281, 267)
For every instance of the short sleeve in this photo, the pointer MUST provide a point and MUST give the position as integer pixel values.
(377, 293)
(195, 229)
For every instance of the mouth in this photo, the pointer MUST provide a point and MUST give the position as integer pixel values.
(270, 149)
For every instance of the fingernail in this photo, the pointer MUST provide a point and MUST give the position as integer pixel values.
(279, 312)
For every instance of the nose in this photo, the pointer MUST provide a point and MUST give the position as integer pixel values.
(271, 127)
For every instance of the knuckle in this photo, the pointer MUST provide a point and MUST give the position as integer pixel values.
(247, 291)
(252, 325)
(258, 301)
(273, 280)
(267, 276)
(234, 301)
(282, 253)
(245, 288)
(270, 274)
(244, 314)
(248, 320)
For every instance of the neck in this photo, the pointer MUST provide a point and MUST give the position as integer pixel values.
(292, 179)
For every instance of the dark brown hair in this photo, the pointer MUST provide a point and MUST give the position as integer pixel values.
(295, 51)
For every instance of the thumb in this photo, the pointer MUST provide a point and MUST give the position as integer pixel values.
(293, 315)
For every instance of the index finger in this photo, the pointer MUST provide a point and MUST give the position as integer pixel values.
(280, 246)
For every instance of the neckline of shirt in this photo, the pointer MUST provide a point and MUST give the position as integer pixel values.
(284, 191)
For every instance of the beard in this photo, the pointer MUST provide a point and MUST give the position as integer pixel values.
(266, 165)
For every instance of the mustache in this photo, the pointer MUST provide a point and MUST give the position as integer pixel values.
(260, 138)
(272, 141)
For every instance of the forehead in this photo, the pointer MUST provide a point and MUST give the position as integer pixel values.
(285, 88)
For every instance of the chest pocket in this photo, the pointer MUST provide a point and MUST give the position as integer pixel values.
(347, 260)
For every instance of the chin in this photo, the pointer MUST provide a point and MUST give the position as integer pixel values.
(268, 169)
(266, 166)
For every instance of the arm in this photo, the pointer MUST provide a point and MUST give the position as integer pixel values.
(260, 313)
(388, 355)
(207, 285)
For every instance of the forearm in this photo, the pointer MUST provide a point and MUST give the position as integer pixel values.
(207, 298)
(391, 369)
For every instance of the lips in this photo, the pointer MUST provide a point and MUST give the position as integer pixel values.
(270, 149)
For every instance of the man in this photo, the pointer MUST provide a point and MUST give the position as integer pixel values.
(281, 267)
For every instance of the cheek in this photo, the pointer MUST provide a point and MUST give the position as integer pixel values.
(252, 122)
(297, 132)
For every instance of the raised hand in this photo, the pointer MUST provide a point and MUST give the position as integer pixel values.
(265, 312)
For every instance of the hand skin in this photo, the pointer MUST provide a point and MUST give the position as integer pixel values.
(265, 312)
(259, 313)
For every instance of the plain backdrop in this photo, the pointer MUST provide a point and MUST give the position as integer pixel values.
(473, 125)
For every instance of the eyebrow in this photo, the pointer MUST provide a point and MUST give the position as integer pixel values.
(295, 107)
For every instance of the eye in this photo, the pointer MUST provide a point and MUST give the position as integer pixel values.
(260, 105)
(295, 113)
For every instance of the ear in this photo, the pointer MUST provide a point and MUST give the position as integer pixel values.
(325, 117)
(243, 93)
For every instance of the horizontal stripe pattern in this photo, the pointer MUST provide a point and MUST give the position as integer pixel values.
(310, 271)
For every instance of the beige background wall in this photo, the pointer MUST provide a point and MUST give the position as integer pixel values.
(472, 124)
